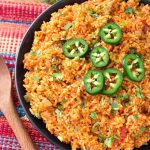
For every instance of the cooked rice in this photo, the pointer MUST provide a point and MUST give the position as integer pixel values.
(130, 124)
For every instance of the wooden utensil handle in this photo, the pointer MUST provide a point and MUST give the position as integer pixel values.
(21, 133)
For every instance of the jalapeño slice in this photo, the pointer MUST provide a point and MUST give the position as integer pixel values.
(113, 80)
(111, 33)
(93, 82)
(133, 67)
(99, 57)
(75, 48)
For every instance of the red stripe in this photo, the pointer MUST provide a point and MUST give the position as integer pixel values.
(9, 58)
(20, 11)
(11, 65)
(5, 130)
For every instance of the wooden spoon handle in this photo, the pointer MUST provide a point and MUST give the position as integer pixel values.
(21, 133)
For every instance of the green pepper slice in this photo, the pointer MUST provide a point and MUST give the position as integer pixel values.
(133, 67)
(75, 48)
(93, 82)
(111, 33)
(113, 80)
(99, 57)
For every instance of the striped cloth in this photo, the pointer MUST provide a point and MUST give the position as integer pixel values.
(15, 19)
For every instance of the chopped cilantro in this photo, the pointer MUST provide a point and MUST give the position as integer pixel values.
(138, 93)
(143, 129)
(98, 7)
(115, 106)
(101, 137)
(68, 26)
(84, 105)
(64, 100)
(102, 102)
(59, 106)
(123, 23)
(93, 115)
(97, 44)
(116, 61)
(54, 67)
(95, 126)
(132, 51)
(123, 97)
(58, 112)
(36, 114)
(36, 78)
(129, 10)
(136, 117)
(36, 53)
(135, 135)
(92, 13)
(109, 142)
(58, 76)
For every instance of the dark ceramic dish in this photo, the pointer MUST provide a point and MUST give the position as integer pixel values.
(20, 71)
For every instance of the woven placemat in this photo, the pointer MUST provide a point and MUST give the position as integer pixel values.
(15, 19)
(26, 1)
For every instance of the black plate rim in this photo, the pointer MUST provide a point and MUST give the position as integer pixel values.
(54, 139)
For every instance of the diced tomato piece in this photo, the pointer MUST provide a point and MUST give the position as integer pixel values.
(123, 132)
(145, 27)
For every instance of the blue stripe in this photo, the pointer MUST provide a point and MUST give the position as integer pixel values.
(15, 21)
(11, 61)
(1, 114)
(7, 54)
(12, 69)
(19, 110)
(46, 146)
(12, 143)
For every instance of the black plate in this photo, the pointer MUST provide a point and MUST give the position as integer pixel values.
(20, 71)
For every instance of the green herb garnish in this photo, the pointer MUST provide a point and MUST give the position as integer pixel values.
(59, 106)
(129, 10)
(36, 53)
(102, 102)
(115, 106)
(64, 101)
(36, 78)
(138, 93)
(136, 136)
(123, 97)
(95, 126)
(101, 137)
(58, 112)
(92, 13)
(84, 105)
(93, 115)
(68, 26)
(54, 67)
(136, 117)
(109, 142)
(123, 23)
(116, 61)
(36, 114)
(132, 51)
(143, 129)
(58, 76)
